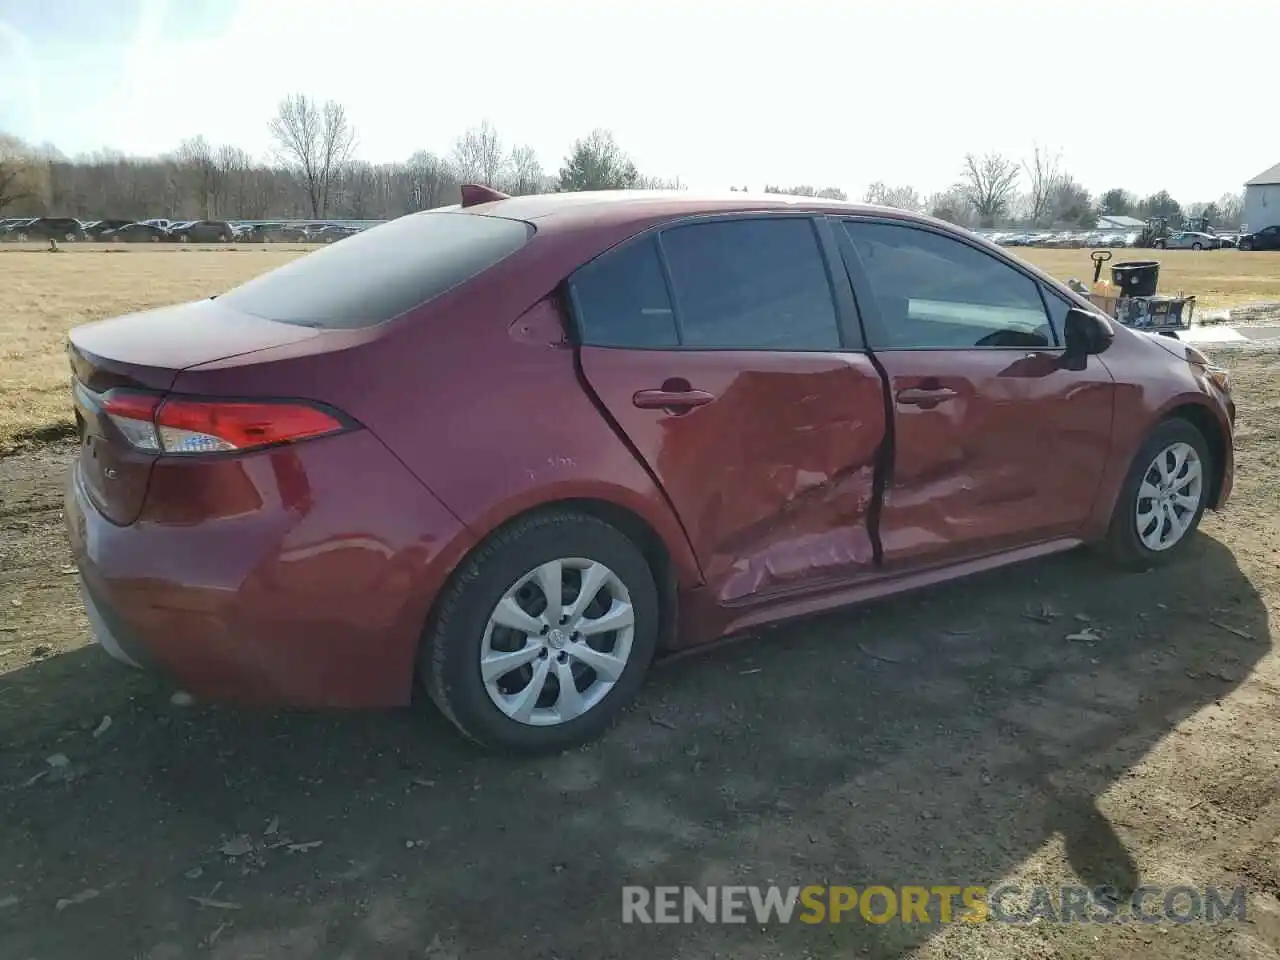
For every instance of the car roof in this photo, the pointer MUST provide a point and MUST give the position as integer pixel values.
(620, 206)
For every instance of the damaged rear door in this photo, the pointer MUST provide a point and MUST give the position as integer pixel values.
(729, 359)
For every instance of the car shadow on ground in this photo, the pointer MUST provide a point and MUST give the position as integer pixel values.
(937, 739)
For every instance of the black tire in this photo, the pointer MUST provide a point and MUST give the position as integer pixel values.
(448, 662)
(1195, 246)
(1123, 542)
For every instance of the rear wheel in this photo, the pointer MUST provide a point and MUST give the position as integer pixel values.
(544, 635)
(1164, 496)
(1195, 246)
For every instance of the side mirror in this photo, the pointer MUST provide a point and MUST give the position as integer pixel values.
(1086, 333)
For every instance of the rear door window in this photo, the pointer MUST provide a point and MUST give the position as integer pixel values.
(380, 273)
(750, 284)
(756, 284)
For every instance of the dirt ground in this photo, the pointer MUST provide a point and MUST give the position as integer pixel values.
(43, 295)
(955, 736)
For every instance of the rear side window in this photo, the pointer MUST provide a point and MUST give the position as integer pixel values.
(379, 273)
(622, 299)
(751, 285)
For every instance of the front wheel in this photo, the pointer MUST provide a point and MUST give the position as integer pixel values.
(1163, 497)
(1195, 246)
(544, 635)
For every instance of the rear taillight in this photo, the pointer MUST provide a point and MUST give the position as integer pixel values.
(183, 426)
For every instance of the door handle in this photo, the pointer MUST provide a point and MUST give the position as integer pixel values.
(674, 401)
(916, 397)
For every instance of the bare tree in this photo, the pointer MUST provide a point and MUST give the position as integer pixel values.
(903, 198)
(951, 205)
(430, 181)
(660, 183)
(1043, 175)
(1230, 210)
(15, 172)
(199, 170)
(526, 172)
(478, 155)
(232, 167)
(1071, 203)
(317, 141)
(808, 190)
(989, 183)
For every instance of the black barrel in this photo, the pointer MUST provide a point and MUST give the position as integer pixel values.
(1136, 278)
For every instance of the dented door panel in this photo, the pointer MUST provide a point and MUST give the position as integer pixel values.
(1013, 455)
(773, 479)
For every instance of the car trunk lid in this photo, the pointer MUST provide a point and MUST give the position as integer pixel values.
(145, 352)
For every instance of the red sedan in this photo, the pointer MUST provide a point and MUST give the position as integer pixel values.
(512, 450)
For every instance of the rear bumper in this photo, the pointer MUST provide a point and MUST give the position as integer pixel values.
(109, 635)
(312, 592)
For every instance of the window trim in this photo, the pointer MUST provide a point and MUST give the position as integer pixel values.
(869, 307)
(843, 302)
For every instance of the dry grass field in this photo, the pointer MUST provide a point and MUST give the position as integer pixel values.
(1218, 278)
(43, 295)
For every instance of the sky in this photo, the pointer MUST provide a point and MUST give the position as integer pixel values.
(840, 93)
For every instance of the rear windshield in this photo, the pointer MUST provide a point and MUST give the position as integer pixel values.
(379, 273)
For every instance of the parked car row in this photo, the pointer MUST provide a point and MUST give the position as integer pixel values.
(1066, 238)
(159, 230)
(1181, 240)
(1194, 240)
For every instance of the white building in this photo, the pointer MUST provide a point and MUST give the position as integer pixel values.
(1110, 222)
(1262, 200)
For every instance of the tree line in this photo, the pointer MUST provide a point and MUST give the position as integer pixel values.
(314, 172)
